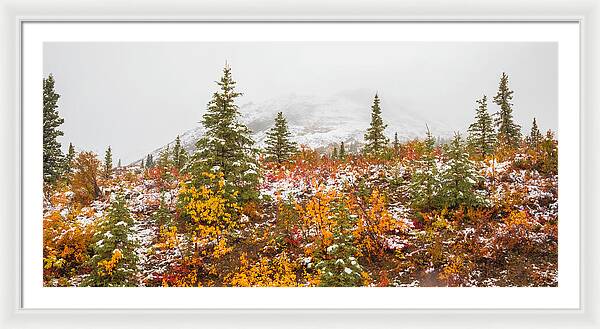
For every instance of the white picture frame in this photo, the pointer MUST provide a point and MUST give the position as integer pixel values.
(13, 316)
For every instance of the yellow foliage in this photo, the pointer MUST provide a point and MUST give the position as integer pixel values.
(374, 222)
(276, 272)
(106, 267)
(516, 219)
(317, 213)
(210, 207)
(221, 249)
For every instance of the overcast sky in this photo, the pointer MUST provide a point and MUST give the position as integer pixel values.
(138, 96)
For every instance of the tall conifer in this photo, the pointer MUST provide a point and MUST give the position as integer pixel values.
(482, 136)
(226, 146)
(108, 162)
(376, 141)
(52, 155)
(342, 154)
(280, 147)
(535, 138)
(179, 154)
(509, 133)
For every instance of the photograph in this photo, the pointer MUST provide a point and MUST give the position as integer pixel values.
(300, 164)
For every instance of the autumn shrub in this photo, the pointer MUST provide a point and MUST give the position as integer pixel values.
(85, 180)
(374, 223)
(279, 271)
(316, 218)
(66, 246)
(211, 209)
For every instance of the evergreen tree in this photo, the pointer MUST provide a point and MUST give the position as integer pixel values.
(425, 183)
(164, 158)
(226, 146)
(179, 154)
(119, 164)
(374, 138)
(114, 260)
(549, 147)
(482, 136)
(69, 159)
(142, 164)
(108, 163)
(53, 156)
(535, 138)
(149, 161)
(396, 144)
(342, 154)
(459, 177)
(340, 267)
(509, 133)
(334, 155)
(279, 145)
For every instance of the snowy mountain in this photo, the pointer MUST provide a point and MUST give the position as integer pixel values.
(319, 122)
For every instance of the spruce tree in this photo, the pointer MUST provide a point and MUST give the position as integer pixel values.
(459, 177)
(142, 164)
(340, 267)
(149, 161)
(342, 154)
(108, 163)
(179, 154)
(119, 164)
(52, 155)
(535, 138)
(396, 144)
(114, 260)
(69, 159)
(549, 147)
(280, 147)
(226, 146)
(482, 136)
(509, 133)
(164, 158)
(376, 141)
(334, 154)
(425, 184)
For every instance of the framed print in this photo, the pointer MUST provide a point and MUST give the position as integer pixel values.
(305, 167)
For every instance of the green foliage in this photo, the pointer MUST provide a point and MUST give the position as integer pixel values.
(53, 156)
(549, 148)
(425, 182)
(180, 155)
(280, 147)
(535, 138)
(509, 133)
(226, 146)
(150, 161)
(459, 178)
(108, 163)
(164, 159)
(334, 154)
(340, 267)
(376, 142)
(69, 160)
(342, 154)
(396, 144)
(114, 260)
(482, 136)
